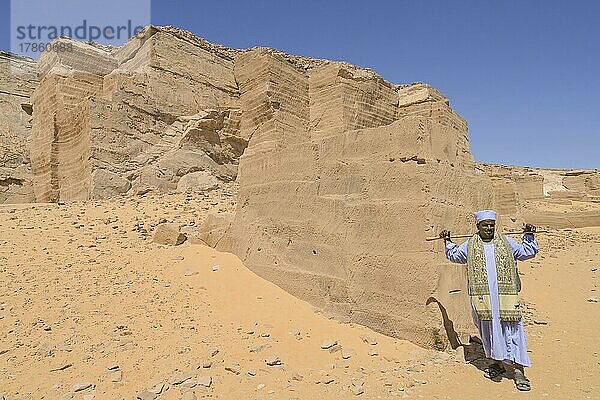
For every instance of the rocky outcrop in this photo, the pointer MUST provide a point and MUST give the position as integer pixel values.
(549, 198)
(343, 177)
(113, 121)
(60, 141)
(18, 79)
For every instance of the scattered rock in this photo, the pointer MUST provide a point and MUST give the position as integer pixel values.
(357, 390)
(373, 352)
(200, 181)
(252, 372)
(233, 369)
(335, 348)
(205, 381)
(347, 353)
(158, 388)
(146, 395)
(215, 268)
(540, 322)
(328, 344)
(273, 360)
(592, 300)
(213, 351)
(260, 348)
(369, 340)
(297, 377)
(214, 228)
(190, 273)
(115, 376)
(61, 368)
(179, 377)
(189, 384)
(78, 387)
(168, 233)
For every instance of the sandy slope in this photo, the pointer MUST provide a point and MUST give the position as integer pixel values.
(82, 289)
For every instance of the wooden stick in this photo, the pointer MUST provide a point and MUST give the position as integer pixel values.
(468, 236)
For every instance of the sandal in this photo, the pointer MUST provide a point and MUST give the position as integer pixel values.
(521, 382)
(493, 371)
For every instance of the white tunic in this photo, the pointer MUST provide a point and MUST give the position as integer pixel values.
(502, 341)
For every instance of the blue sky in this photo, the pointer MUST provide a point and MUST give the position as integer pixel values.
(524, 74)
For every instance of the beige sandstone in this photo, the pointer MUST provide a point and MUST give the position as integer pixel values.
(546, 197)
(18, 79)
(148, 113)
(168, 233)
(331, 211)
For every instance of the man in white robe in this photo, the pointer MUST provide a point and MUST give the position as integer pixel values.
(504, 341)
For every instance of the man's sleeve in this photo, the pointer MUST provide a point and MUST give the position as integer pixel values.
(525, 250)
(457, 254)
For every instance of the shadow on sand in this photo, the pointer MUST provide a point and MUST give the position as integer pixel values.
(473, 351)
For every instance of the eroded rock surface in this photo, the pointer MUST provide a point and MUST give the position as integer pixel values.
(158, 108)
(18, 79)
(550, 198)
(343, 177)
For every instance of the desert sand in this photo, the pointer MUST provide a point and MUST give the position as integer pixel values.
(88, 301)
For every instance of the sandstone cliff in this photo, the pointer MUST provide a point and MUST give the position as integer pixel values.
(343, 177)
(112, 121)
(551, 198)
(18, 79)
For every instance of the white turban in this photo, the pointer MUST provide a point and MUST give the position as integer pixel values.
(484, 214)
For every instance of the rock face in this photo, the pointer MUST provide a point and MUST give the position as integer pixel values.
(546, 197)
(344, 176)
(18, 79)
(112, 121)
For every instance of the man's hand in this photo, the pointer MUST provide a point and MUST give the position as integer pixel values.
(529, 229)
(445, 235)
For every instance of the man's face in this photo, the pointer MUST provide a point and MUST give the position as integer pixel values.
(487, 228)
